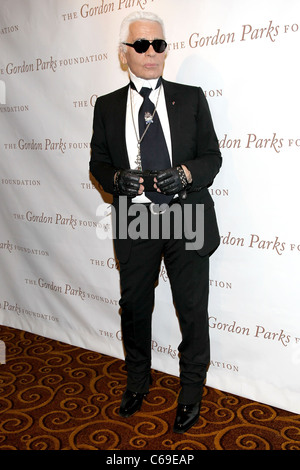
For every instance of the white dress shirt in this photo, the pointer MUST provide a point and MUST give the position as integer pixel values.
(134, 102)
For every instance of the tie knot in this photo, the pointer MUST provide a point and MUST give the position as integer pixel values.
(145, 92)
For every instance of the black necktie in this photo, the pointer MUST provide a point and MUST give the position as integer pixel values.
(154, 151)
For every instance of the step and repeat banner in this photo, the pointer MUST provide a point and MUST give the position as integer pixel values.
(59, 275)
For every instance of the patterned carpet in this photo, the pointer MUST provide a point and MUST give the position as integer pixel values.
(54, 396)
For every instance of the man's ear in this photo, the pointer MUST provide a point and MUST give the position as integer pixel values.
(122, 56)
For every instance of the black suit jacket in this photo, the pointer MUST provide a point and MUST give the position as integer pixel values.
(194, 144)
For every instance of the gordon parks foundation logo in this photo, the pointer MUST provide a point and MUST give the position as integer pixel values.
(155, 221)
(89, 10)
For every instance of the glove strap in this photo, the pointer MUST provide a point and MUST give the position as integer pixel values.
(116, 182)
(182, 176)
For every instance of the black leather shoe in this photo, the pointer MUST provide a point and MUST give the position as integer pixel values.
(186, 417)
(131, 403)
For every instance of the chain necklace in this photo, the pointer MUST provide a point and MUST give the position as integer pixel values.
(139, 140)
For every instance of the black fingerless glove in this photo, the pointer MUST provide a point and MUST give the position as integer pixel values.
(126, 182)
(172, 180)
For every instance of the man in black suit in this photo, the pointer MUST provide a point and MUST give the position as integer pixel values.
(168, 150)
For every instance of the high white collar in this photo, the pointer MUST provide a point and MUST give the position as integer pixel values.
(139, 83)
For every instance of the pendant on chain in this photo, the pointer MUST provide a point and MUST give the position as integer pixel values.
(148, 118)
(138, 158)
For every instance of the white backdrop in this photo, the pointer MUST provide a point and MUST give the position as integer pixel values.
(58, 272)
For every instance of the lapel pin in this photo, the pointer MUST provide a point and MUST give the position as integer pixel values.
(173, 102)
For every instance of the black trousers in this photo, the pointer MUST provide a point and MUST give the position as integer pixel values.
(189, 279)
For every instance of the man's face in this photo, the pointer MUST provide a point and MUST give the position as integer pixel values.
(149, 64)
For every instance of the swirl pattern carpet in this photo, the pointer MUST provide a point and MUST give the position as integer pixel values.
(55, 396)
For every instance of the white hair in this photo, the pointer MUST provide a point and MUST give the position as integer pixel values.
(137, 16)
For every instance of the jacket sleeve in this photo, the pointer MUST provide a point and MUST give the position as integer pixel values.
(101, 166)
(207, 162)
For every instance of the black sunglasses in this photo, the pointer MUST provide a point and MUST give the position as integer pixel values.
(142, 45)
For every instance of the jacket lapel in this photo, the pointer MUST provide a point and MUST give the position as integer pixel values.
(119, 116)
(173, 109)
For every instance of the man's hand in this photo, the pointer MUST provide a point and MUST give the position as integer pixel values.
(128, 182)
(173, 180)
